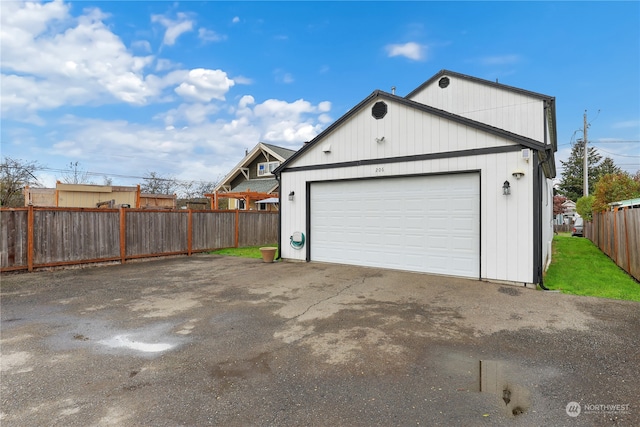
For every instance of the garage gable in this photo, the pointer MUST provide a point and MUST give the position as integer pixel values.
(407, 128)
(506, 107)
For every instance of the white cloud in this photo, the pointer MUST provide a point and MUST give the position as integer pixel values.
(210, 35)
(290, 123)
(324, 119)
(324, 106)
(185, 136)
(174, 28)
(189, 113)
(50, 58)
(235, 19)
(141, 45)
(241, 80)
(282, 76)
(245, 101)
(409, 50)
(281, 109)
(204, 85)
(23, 20)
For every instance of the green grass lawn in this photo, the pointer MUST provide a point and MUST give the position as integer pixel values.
(578, 267)
(246, 252)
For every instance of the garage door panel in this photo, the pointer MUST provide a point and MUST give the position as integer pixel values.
(428, 224)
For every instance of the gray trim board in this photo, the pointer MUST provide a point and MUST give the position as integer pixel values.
(537, 220)
(412, 158)
(308, 220)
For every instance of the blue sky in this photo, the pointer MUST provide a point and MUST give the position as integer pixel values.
(183, 88)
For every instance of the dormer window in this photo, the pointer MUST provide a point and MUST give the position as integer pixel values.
(267, 168)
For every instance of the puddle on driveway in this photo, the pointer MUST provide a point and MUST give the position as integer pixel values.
(495, 378)
(123, 341)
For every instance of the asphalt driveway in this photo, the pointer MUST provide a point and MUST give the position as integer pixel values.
(212, 340)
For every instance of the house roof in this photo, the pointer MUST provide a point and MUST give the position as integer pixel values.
(266, 185)
(279, 153)
(285, 153)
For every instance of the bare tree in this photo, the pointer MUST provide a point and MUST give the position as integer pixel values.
(14, 176)
(155, 183)
(195, 189)
(206, 187)
(75, 175)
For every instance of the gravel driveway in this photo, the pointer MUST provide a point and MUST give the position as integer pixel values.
(211, 340)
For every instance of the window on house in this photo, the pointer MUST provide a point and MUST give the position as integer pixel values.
(262, 206)
(266, 168)
(241, 204)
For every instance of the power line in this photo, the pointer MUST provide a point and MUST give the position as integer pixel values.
(616, 154)
(112, 175)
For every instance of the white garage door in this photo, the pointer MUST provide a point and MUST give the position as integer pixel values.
(428, 223)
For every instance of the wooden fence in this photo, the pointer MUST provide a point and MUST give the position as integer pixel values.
(617, 234)
(36, 237)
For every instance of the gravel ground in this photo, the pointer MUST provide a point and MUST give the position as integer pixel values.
(211, 340)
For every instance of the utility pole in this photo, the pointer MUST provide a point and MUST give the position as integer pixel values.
(585, 183)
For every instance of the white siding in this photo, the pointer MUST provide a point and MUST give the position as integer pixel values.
(406, 132)
(547, 221)
(506, 221)
(502, 108)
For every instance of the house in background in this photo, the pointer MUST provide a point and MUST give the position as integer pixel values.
(252, 180)
(568, 215)
(96, 196)
(453, 179)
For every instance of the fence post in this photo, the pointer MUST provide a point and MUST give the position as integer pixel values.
(30, 222)
(189, 232)
(626, 241)
(615, 236)
(237, 229)
(123, 236)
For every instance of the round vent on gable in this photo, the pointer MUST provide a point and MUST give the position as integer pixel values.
(443, 82)
(379, 110)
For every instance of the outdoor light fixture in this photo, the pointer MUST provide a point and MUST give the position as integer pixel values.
(506, 188)
(291, 194)
(518, 173)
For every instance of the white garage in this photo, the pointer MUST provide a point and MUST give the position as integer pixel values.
(453, 179)
(420, 223)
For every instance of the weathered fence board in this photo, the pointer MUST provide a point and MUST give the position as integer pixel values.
(617, 234)
(156, 232)
(13, 226)
(213, 231)
(633, 236)
(258, 229)
(42, 237)
(61, 236)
